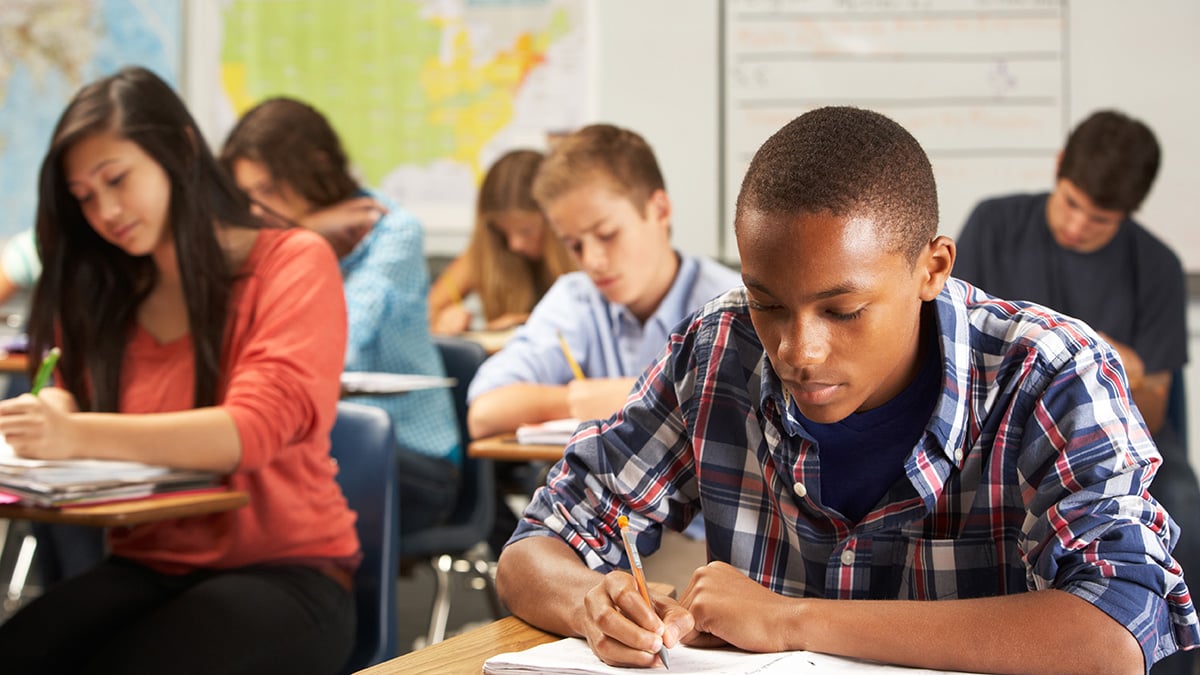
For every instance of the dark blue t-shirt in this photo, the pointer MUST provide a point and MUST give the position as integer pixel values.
(863, 455)
(1132, 289)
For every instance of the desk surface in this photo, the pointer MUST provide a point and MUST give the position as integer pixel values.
(464, 654)
(131, 512)
(505, 448)
(12, 363)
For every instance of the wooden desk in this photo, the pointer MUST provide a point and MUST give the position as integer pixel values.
(464, 654)
(505, 448)
(130, 512)
(13, 364)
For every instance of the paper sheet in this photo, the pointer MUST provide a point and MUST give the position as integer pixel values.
(572, 656)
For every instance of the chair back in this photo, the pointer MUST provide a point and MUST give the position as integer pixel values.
(364, 446)
(475, 511)
(1177, 411)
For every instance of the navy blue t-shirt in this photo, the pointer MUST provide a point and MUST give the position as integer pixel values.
(863, 455)
(1133, 288)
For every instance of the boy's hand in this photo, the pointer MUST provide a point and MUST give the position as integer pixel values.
(40, 427)
(597, 398)
(727, 607)
(622, 630)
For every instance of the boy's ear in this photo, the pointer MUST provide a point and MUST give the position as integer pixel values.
(935, 265)
(659, 206)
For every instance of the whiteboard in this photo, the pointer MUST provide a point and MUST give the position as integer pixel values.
(990, 88)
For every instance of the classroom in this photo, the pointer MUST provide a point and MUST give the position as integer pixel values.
(426, 94)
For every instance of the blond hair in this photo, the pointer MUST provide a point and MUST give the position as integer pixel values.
(617, 157)
(507, 282)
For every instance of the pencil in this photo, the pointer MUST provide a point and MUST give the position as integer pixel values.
(455, 296)
(43, 372)
(639, 576)
(562, 342)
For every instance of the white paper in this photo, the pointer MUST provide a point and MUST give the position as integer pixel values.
(572, 656)
(391, 383)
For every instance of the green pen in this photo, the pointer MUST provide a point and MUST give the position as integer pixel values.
(44, 370)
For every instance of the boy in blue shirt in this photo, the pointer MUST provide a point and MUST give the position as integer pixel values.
(604, 197)
(863, 434)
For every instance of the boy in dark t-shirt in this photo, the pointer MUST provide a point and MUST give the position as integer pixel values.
(1078, 250)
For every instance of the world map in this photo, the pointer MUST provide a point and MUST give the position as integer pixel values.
(48, 49)
(424, 95)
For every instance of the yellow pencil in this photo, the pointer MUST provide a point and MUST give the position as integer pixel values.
(562, 342)
(639, 576)
(455, 296)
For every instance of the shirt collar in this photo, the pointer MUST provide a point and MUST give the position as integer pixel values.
(948, 425)
(676, 303)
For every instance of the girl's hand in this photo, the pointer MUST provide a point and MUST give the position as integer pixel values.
(40, 427)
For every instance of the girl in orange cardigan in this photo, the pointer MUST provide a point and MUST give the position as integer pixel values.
(191, 337)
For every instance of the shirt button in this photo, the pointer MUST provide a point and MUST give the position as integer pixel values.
(847, 557)
(799, 489)
(958, 455)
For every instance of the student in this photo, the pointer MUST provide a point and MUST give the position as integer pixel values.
(864, 434)
(512, 259)
(1078, 250)
(284, 154)
(604, 197)
(190, 338)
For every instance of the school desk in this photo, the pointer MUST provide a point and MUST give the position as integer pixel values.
(111, 514)
(464, 654)
(505, 448)
(131, 511)
(13, 363)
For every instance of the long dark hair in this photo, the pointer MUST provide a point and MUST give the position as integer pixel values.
(89, 291)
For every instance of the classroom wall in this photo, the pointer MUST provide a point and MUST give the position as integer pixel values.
(1138, 57)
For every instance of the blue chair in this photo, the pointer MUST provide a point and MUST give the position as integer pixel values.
(1177, 412)
(448, 547)
(365, 449)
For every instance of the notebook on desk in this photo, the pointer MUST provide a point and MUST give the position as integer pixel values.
(572, 656)
(553, 432)
(88, 481)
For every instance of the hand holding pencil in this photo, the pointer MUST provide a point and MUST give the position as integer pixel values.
(639, 576)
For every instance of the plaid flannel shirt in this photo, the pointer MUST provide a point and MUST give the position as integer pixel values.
(1032, 473)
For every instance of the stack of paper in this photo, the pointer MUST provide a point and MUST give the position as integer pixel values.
(89, 481)
(554, 432)
(572, 656)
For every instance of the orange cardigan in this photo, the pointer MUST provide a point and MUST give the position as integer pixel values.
(281, 366)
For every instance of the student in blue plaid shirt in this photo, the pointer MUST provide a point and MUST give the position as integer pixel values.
(863, 433)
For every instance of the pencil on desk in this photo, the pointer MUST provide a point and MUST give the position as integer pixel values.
(639, 576)
(562, 342)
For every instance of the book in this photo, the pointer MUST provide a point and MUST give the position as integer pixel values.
(52, 483)
(553, 432)
(572, 656)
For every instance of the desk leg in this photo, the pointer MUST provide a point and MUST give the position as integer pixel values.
(16, 585)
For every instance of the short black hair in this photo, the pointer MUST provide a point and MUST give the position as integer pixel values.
(846, 160)
(1113, 159)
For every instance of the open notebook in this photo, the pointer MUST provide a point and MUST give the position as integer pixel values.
(573, 656)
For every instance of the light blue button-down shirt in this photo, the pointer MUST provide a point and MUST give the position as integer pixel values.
(606, 338)
(386, 287)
